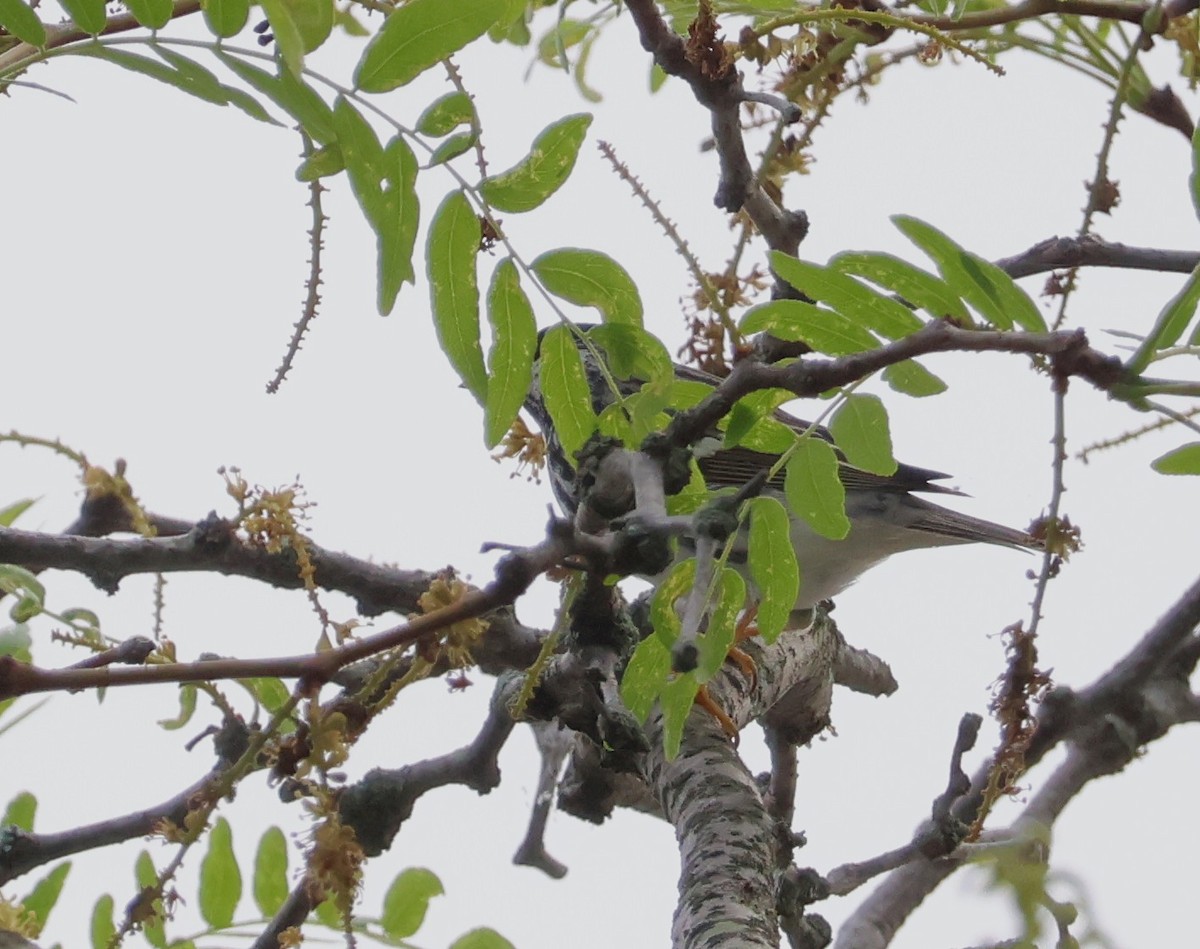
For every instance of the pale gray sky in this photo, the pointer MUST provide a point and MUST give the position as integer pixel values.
(153, 259)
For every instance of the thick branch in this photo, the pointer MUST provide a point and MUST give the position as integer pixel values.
(213, 546)
(726, 835)
(513, 575)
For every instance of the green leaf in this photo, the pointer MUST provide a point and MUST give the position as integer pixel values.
(15, 641)
(451, 148)
(677, 699)
(918, 287)
(446, 114)
(862, 305)
(658, 77)
(510, 360)
(717, 639)
(44, 895)
(565, 391)
(89, 15)
(750, 419)
(911, 378)
(269, 691)
(543, 171)
(27, 588)
(482, 939)
(23, 23)
(154, 14)
(645, 675)
(814, 490)
(992, 292)
(289, 39)
(270, 872)
(220, 878)
(187, 708)
(590, 278)
(1184, 460)
(1169, 326)
(450, 254)
(384, 182)
(860, 429)
(826, 331)
(291, 94)
(102, 927)
(674, 586)
(514, 14)
(768, 435)
(322, 163)
(134, 62)
(579, 73)
(147, 878)
(9, 515)
(225, 18)
(773, 566)
(633, 353)
(82, 619)
(397, 233)
(344, 18)
(566, 33)
(328, 914)
(1194, 179)
(407, 901)
(363, 154)
(207, 86)
(313, 19)
(21, 811)
(419, 35)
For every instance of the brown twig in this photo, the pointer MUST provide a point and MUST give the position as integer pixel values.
(1069, 351)
(513, 575)
(312, 285)
(62, 35)
(1092, 251)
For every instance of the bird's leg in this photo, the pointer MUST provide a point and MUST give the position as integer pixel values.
(746, 629)
(728, 726)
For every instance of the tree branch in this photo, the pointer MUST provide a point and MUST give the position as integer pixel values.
(57, 36)
(212, 545)
(1137, 701)
(726, 836)
(1069, 351)
(378, 805)
(21, 852)
(513, 575)
(1091, 251)
(717, 86)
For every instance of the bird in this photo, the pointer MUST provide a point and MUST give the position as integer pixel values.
(886, 514)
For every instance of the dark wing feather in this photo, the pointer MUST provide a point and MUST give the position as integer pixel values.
(733, 467)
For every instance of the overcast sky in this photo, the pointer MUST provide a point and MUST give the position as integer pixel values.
(153, 260)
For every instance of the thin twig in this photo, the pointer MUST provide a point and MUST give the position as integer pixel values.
(312, 286)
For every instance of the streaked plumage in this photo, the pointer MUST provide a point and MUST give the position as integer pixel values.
(885, 514)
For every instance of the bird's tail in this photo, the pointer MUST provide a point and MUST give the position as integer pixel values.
(968, 530)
